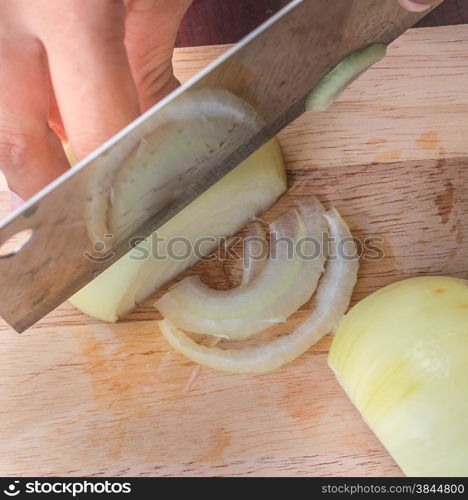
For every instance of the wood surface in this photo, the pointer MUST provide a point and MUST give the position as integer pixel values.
(80, 397)
(210, 22)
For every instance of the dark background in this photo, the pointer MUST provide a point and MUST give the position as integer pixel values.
(210, 22)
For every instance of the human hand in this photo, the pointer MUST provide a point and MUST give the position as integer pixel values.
(417, 5)
(77, 69)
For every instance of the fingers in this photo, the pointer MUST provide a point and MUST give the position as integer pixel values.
(89, 68)
(151, 29)
(417, 5)
(30, 153)
(84, 88)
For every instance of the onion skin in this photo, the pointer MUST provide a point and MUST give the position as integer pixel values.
(401, 356)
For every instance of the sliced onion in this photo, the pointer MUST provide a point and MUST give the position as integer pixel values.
(330, 303)
(172, 155)
(121, 194)
(255, 258)
(142, 174)
(241, 196)
(285, 283)
(183, 136)
(333, 84)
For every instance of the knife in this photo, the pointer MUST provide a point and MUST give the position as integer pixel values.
(273, 69)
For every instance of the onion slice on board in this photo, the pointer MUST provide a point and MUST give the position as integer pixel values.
(330, 303)
(286, 282)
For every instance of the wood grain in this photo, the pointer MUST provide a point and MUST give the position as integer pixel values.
(79, 397)
(214, 22)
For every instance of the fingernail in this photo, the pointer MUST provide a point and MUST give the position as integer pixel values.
(416, 5)
(15, 201)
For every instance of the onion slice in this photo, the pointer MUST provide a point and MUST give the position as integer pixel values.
(286, 282)
(334, 83)
(330, 303)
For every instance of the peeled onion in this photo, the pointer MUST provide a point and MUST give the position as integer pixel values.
(246, 192)
(183, 141)
(401, 356)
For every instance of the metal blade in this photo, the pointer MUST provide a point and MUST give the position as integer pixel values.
(273, 69)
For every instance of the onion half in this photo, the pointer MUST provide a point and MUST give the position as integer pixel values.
(401, 356)
(185, 143)
(221, 211)
(330, 303)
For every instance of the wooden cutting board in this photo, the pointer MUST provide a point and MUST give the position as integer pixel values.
(79, 397)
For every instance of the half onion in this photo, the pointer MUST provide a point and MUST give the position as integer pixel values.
(185, 143)
(224, 209)
(400, 354)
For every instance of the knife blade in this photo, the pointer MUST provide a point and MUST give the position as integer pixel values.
(273, 69)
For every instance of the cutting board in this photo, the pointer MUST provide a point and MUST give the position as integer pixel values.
(80, 397)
